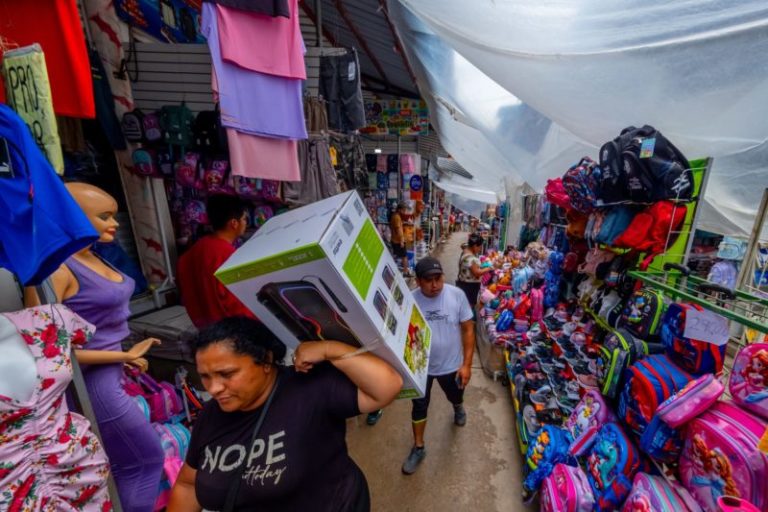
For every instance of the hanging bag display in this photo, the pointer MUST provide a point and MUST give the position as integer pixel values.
(581, 183)
(643, 313)
(695, 356)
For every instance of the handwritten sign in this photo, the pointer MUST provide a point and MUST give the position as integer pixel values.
(28, 92)
(706, 326)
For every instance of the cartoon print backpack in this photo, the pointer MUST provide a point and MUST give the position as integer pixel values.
(247, 188)
(188, 171)
(749, 379)
(216, 177)
(721, 457)
(145, 162)
(580, 183)
(649, 382)
(567, 489)
(695, 398)
(618, 351)
(194, 212)
(151, 127)
(262, 214)
(612, 463)
(654, 494)
(270, 190)
(586, 419)
(694, 356)
(642, 313)
(547, 447)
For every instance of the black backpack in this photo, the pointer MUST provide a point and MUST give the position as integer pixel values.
(132, 125)
(641, 165)
(208, 133)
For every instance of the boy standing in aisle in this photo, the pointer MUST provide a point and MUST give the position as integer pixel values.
(205, 298)
(449, 315)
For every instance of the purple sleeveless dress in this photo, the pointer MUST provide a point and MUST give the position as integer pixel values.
(133, 447)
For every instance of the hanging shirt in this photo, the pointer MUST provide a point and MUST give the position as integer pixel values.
(42, 224)
(259, 43)
(55, 25)
(268, 7)
(253, 102)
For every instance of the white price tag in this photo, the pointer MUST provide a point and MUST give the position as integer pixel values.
(706, 326)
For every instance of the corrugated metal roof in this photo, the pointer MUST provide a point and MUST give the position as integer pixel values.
(363, 25)
(450, 165)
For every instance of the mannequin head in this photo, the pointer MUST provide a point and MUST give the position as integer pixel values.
(99, 207)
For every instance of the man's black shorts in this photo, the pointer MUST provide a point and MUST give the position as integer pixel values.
(398, 250)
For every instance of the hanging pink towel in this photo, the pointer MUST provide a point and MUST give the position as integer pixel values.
(261, 157)
(258, 42)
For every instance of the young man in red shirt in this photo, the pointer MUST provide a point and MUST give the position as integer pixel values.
(204, 297)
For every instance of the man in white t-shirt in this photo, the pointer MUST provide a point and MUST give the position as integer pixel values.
(449, 315)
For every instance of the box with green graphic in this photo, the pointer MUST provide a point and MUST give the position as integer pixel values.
(322, 272)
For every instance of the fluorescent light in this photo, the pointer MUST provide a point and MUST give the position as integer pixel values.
(377, 150)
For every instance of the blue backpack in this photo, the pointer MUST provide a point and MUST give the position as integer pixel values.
(612, 463)
(616, 221)
(695, 356)
(546, 448)
(648, 383)
(581, 183)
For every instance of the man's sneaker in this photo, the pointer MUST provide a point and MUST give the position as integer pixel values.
(459, 415)
(374, 417)
(414, 459)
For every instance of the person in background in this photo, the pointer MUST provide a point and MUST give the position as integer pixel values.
(204, 297)
(398, 238)
(451, 223)
(469, 268)
(297, 459)
(449, 316)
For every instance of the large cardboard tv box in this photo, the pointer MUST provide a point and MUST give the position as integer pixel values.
(322, 272)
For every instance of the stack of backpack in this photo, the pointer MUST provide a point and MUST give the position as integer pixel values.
(722, 456)
(164, 407)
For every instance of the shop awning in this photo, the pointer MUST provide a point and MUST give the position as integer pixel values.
(544, 102)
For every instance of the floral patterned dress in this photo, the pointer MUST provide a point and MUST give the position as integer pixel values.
(50, 460)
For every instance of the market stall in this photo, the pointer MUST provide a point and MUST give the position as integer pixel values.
(616, 352)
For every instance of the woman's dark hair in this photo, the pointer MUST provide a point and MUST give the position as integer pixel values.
(223, 208)
(474, 240)
(246, 336)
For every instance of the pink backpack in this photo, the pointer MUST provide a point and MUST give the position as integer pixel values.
(749, 379)
(590, 414)
(537, 304)
(188, 171)
(566, 490)
(217, 178)
(151, 126)
(655, 494)
(721, 457)
(695, 398)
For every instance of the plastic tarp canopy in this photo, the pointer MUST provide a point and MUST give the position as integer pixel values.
(694, 69)
(464, 187)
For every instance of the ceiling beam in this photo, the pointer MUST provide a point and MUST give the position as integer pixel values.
(360, 39)
(387, 88)
(398, 43)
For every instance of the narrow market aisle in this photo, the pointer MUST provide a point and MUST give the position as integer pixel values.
(477, 467)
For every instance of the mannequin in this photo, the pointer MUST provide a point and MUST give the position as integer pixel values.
(49, 456)
(101, 295)
(18, 373)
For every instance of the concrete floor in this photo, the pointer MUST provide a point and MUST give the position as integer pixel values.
(477, 467)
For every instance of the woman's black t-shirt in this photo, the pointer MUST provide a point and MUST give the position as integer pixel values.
(299, 460)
